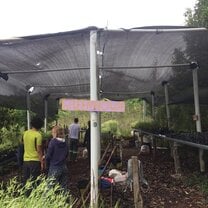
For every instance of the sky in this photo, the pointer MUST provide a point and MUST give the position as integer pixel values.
(31, 17)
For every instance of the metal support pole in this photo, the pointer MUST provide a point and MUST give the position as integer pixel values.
(197, 113)
(45, 112)
(28, 110)
(153, 105)
(153, 117)
(57, 109)
(174, 146)
(165, 84)
(94, 120)
(144, 109)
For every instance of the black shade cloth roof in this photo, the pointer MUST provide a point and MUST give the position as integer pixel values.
(131, 63)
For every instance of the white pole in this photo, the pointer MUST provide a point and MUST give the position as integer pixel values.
(94, 121)
(165, 84)
(197, 113)
(153, 117)
(28, 110)
(45, 113)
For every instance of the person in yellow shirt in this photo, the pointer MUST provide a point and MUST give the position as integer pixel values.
(33, 154)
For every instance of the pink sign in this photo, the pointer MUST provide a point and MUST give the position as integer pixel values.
(91, 105)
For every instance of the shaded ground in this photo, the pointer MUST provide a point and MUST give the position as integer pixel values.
(165, 191)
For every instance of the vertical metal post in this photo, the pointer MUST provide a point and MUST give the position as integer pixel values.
(94, 120)
(144, 109)
(197, 113)
(153, 104)
(45, 112)
(57, 108)
(165, 84)
(174, 146)
(28, 109)
(153, 117)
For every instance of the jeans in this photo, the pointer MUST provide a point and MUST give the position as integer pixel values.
(58, 175)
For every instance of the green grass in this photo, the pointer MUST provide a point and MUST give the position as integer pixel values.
(13, 195)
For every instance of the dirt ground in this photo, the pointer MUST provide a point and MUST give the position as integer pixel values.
(164, 190)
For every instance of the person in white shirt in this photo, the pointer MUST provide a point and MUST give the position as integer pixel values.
(74, 134)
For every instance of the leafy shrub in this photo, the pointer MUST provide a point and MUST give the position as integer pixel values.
(9, 138)
(46, 135)
(14, 195)
(110, 126)
(151, 126)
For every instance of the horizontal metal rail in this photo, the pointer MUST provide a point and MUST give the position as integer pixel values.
(56, 86)
(200, 146)
(100, 67)
(156, 30)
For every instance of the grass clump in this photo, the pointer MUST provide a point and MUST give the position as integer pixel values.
(14, 195)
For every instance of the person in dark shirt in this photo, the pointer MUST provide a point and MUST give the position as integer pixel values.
(56, 157)
(87, 141)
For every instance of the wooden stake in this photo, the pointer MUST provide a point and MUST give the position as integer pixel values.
(138, 202)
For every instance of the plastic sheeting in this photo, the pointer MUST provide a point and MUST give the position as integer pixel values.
(131, 63)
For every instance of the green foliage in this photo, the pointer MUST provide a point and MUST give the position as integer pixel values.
(180, 117)
(150, 126)
(110, 126)
(67, 117)
(9, 139)
(198, 17)
(12, 117)
(13, 195)
(133, 113)
(46, 135)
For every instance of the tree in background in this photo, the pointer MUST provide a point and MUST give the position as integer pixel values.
(198, 17)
